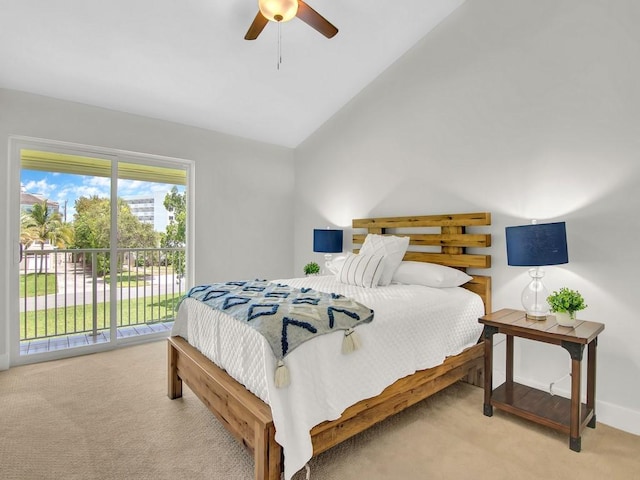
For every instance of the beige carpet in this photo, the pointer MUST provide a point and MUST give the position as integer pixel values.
(107, 416)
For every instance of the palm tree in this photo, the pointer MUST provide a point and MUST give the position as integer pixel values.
(41, 225)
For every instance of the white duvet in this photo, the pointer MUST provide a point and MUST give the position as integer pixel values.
(414, 328)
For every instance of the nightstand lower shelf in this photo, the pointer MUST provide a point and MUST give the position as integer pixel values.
(551, 410)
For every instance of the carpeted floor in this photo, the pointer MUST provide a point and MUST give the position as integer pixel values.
(107, 416)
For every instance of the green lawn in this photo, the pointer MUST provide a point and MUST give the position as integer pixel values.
(34, 284)
(63, 321)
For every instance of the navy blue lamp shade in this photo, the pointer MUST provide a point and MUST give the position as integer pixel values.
(537, 245)
(327, 241)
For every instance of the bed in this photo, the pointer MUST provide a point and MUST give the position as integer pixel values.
(439, 239)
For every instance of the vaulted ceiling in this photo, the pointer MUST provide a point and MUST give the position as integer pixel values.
(186, 61)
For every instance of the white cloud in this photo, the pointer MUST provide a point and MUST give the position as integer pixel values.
(103, 182)
(131, 187)
(160, 188)
(40, 187)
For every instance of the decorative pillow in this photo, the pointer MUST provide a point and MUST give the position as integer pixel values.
(393, 248)
(429, 274)
(361, 270)
(335, 264)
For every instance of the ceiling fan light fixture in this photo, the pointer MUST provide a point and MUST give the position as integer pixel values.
(278, 10)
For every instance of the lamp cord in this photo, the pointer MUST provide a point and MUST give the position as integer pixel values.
(536, 290)
(557, 381)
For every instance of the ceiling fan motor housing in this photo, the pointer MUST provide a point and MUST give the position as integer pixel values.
(278, 10)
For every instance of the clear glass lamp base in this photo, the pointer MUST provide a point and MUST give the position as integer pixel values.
(534, 296)
(327, 263)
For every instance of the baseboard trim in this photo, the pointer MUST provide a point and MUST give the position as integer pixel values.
(4, 361)
(618, 417)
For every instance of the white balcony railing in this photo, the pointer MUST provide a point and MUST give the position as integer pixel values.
(68, 291)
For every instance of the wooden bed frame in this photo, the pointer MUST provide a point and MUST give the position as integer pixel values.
(249, 419)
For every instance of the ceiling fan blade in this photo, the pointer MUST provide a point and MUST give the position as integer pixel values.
(256, 27)
(312, 18)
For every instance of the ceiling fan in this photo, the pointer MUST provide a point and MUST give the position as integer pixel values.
(283, 10)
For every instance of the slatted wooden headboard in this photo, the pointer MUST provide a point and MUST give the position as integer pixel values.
(441, 239)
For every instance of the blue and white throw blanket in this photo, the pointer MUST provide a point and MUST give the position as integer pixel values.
(285, 316)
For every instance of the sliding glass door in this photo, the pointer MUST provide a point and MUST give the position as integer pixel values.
(102, 248)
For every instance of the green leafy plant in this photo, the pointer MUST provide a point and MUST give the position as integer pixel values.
(311, 268)
(566, 300)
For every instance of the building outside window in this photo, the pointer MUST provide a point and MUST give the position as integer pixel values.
(150, 209)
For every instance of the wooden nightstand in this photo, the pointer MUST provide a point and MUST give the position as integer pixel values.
(568, 416)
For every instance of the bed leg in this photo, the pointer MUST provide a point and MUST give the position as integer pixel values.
(175, 382)
(267, 453)
(475, 376)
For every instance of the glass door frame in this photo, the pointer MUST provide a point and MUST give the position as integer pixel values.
(18, 143)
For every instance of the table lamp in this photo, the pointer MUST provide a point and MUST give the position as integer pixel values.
(536, 245)
(327, 241)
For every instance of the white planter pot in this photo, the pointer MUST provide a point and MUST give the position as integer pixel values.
(566, 319)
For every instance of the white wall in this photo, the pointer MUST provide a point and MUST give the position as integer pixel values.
(243, 213)
(527, 109)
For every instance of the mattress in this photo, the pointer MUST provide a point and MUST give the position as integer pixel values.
(414, 328)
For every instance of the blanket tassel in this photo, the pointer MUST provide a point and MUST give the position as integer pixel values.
(351, 341)
(282, 375)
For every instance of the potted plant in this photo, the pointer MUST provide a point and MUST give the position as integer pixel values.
(565, 303)
(311, 268)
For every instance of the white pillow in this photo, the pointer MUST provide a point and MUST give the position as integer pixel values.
(361, 270)
(429, 274)
(393, 248)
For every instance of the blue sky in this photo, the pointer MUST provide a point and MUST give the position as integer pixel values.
(61, 187)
